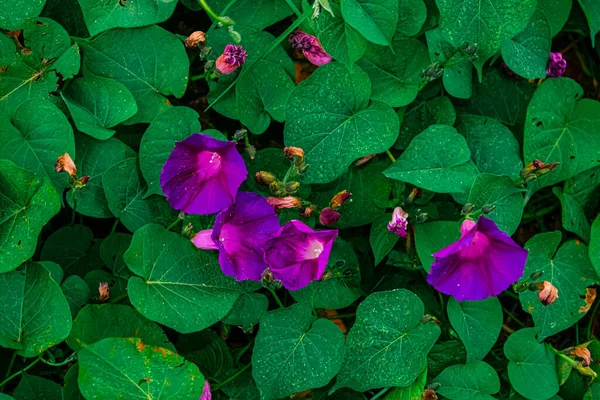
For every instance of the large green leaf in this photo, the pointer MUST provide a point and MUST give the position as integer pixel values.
(98, 321)
(15, 12)
(411, 17)
(370, 192)
(375, 20)
(381, 239)
(437, 159)
(527, 53)
(473, 381)
(594, 250)
(129, 368)
(395, 71)
(388, 344)
(422, 113)
(262, 94)
(26, 205)
(35, 315)
(556, 12)
(501, 193)
(432, 237)
(561, 127)
(249, 307)
(494, 149)
(578, 198)
(176, 284)
(591, 9)
(569, 270)
(250, 13)
(70, 390)
(33, 387)
(37, 32)
(150, 62)
(342, 284)
(98, 104)
(484, 24)
(171, 126)
(74, 249)
(94, 158)
(295, 351)
(101, 16)
(329, 116)
(125, 190)
(478, 324)
(532, 366)
(35, 137)
(339, 39)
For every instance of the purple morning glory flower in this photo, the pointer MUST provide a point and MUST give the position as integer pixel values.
(202, 175)
(239, 234)
(298, 255)
(481, 264)
(557, 66)
(310, 47)
(399, 222)
(233, 56)
(206, 395)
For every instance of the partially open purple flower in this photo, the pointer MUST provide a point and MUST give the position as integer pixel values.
(233, 56)
(399, 222)
(202, 175)
(298, 255)
(557, 66)
(310, 47)
(239, 234)
(481, 264)
(206, 394)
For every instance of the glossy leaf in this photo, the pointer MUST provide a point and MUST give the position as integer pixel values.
(556, 12)
(591, 10)
(375, 20)
(15, 13)
(33, 387)
(422, 113)
(476, 380)
(77, 293)
(249, 307)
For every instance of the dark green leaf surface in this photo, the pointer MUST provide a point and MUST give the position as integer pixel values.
(249, 307)
(74, 249)
(112, 250)
(473, 381)
(556, 12)
(592, 13)
(14, 13)
(375, 20)
(70, 389)
(77, 293)
(434, 236)
(33, 387)
(422, 113)
(594, 250)
(381, 239)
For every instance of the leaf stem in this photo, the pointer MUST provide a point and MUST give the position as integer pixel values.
(341, 316)
(114, 227)
(517, 320)
(10, 365)
(25, 369)
(173, 223)
(276, 297)
(511, 294)
(198, 77)
(214, 15)
(74, 197)
(380, 393)
(232, 377)
(592, 318)
(67, 360)
(293, 7)
(390, 156)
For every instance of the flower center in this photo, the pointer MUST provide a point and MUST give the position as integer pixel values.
(315, 248)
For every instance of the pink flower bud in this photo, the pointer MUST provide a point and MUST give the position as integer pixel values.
(233, 56)
(329, 216)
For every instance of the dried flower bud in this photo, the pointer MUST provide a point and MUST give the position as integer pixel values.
(414, 194)
(486, 209)
(103, 291)
(284, 202)
(364, 160)
(339, 199)
(291, 152)
(307, 212)
(429, 394)
(583, 353)
(240, 134)
(535, 169)
(264, 178)
(65, 163)
(251, 151)
(328, 216)
(194, 39)
(548, 293)
(468, 209)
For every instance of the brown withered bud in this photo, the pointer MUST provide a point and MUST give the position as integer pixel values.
(582, 352)
(264, 178)
(103, 291)
(548, 293)
(364, 160)
(65, 163)
(414, 194)
(535, 169)
(194, 39)
(339, 199)
(251, 151)
(284, 202)
(429, 394)
(307, 212)
(290, 152)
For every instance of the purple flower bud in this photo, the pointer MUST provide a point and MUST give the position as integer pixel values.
(557, 65)
(399, 222)
(206, 395)
(329, 216)
(310, 47)
(298, 255)
(233, 56)
(482, 263)
(202, 175)
(239, 233)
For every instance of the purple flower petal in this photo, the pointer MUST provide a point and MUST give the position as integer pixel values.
(557, 66)
(233, 56)
(298, 255)
(206, 394)
(310, 46)
(481, 264)
(240, 232)
(202, 175)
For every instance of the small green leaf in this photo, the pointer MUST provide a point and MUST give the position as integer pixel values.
(150, 62)
(388, 344)
(478, 324)
(77, 293)
(249, 307)
(176, 284)
(208, 351)
(111, 251)
(434, 236)
(35, 388)
(35, 315)
(591, 10)
(129, 368)
(381, 239)
(98, 321)
(569, 270)
(421, 114)
(474, 381)
(47, 38)
(26, 205)
(295, 351)
(56, 272)
(98, 104)
(556, 12)
(330, 111)
(74, 249)
(437, 159)
(70, 390)
(532, 367)
(527, 53)
(173, 125)
(375, 20)
(14, 13)
(411, 17)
